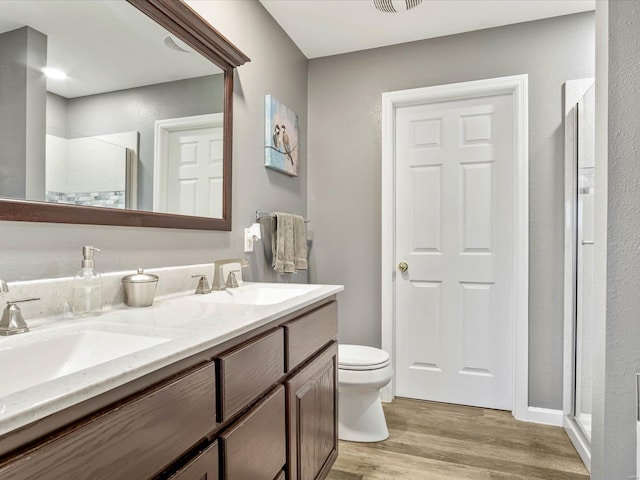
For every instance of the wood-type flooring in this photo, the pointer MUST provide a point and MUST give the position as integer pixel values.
(435, 441)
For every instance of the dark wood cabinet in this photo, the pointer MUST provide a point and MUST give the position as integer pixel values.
(135, 439)
(203, 467)
(312, 396)
(255, 447)
(262, 406)
(308, 334)
(249, 371)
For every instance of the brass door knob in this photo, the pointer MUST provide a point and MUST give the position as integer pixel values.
(403, 266)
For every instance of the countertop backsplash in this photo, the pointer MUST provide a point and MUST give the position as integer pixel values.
(55, 293)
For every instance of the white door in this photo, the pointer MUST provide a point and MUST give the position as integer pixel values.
(194, 173)
(455, 211)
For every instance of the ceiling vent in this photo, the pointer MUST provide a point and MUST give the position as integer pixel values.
(393, 6)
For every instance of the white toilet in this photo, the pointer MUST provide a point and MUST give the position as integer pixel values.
(362, 373)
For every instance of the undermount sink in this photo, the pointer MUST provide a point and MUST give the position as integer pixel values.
(257, 293)
(35, 362)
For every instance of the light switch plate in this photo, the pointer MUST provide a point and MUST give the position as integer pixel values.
(248, 240)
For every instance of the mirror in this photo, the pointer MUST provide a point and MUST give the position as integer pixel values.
(133, 127)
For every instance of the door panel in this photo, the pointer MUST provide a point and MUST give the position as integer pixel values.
(426, 183)
(455, 209)
(424, 348)
(477, 192)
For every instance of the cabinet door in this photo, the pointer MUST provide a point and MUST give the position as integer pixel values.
(312, 406)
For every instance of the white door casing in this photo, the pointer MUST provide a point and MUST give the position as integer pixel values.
(188, 166)
(470, 211)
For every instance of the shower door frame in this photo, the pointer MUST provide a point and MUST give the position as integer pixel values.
(574, 91)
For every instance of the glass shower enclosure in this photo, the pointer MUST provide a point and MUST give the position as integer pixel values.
(579, 262)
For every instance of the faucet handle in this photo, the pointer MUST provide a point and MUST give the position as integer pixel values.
(4, 288)
(232, 281)
(12, 321)
(203, 284)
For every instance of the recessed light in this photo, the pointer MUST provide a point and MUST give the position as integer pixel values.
(54, 73)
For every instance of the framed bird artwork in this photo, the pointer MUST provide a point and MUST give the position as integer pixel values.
(281, 137)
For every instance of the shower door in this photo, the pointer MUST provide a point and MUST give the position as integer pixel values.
(579, 262)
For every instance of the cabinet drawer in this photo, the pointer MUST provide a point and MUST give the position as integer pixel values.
(203, 467)
(249, 371)
(308, 334)
(255, 447)
(136, 439)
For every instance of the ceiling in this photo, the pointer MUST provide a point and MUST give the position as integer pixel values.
(330, 27)
(102, 46)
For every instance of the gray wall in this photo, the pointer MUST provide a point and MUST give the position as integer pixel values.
(37, 250)
(617, 440)
(137, 109)
(23, 52)
(344, 150)
(56, 115)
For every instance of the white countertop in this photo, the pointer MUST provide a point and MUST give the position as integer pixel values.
(190, 325)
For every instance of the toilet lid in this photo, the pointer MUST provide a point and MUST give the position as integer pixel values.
(361, 357)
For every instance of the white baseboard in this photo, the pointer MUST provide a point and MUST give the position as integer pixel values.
(545, 416)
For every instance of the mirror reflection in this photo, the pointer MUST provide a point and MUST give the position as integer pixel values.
(101, 106)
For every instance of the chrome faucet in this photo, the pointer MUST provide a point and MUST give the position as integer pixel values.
(219, 282)
(12, 321)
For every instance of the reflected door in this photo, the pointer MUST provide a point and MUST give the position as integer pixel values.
(194, 174)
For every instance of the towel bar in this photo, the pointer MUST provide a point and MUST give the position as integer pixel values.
(261, 214)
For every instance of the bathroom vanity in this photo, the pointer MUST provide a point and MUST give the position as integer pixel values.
(239, 392)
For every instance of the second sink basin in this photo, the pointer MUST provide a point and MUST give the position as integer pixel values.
(38, 361)
(258, 293)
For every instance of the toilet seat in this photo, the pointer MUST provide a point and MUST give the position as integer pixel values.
(361, 357)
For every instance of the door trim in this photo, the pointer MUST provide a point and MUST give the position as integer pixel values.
(161, 149)
(516, 85)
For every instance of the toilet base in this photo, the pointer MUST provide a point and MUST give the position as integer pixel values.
(360, 416)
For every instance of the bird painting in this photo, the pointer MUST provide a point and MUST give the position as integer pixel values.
(286, 145)
(281, 137)
(276, 137)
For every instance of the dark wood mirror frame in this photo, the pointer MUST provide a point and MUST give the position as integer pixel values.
(182, 21)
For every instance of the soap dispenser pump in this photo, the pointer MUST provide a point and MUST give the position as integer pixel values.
(87, 287)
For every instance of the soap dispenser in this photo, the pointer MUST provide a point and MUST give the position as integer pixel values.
(87, 287)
